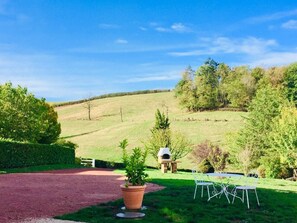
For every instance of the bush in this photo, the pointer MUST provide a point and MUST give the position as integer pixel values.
(108, 164)
(208, 151)
(285, 172)
(65, 143)
(77, 160)
(205, 167)
(261, 171)
(16, 154)
(119, 94)
(272, 165)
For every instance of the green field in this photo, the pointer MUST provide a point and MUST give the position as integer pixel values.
(99, 138)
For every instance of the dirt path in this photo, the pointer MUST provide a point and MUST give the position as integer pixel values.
(48, 194)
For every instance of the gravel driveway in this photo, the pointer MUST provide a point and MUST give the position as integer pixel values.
(47, 194)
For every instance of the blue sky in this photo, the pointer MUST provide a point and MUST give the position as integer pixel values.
(70, 49)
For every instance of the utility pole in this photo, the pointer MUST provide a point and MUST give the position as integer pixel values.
(121, 112)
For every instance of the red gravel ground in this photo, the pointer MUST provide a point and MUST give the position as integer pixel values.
(48, 194)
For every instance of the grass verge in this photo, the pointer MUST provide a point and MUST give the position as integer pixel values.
(176, 204)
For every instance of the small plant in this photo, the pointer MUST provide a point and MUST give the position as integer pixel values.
(134, 165)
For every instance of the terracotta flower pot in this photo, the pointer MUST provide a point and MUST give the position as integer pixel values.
(133, 196)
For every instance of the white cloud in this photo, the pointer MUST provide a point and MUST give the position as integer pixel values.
(175, 27)
(291, 24)
(250, 51)
(121, 41)
(271, 17)
(179, 27)
(143, 28)
(94, 49)
(108, 26)
(273, 59)
(162, 76)
(45, 75)
(153, 24)
(162, 29)
(225, 45)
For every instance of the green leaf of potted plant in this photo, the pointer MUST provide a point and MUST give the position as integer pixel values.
(133, 189)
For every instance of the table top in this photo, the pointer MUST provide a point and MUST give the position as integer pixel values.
(224, 175)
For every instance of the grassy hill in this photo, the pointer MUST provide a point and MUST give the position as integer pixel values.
(99, 138)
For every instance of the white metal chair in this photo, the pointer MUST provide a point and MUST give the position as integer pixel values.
(199, 181)
(250, 184)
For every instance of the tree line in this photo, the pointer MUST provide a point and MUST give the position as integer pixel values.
(268, 139)
(216, 85)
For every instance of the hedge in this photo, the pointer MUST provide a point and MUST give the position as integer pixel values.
(16, 154)
(111, 95)
(108, 164)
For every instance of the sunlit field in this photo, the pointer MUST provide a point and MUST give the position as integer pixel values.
(99, 137)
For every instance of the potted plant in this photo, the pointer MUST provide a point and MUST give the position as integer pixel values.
(133, 189)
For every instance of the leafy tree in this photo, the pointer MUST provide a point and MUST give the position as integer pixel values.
(50, 129)
(223, 72)
(161, 134)
(273, 76)
(257, 73)
(162, 137)
(264, 108)
(26, 118)
(161, 121)
(185, 90)
(283, 137)
(207, 86)
(290, 83)
(240, 87)
(245, 162)
(158, 139)
(180, 145)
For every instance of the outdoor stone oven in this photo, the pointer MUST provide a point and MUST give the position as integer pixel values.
(164, 155)
(164, 158)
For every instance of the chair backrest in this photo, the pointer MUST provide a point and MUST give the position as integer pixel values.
(251, 180)
(198, 176)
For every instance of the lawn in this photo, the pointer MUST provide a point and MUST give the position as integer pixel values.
(176, 204)
(99, 138)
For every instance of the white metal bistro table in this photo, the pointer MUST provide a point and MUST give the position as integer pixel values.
(224, 183)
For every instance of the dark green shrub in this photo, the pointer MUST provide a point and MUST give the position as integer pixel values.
(108, 164)
(77, 160)
(285, 172)
(16, 154)
(65, 143)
